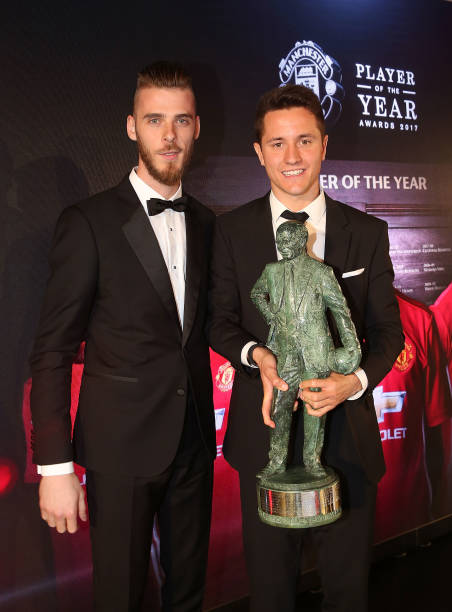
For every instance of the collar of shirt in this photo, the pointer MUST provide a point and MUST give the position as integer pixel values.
(316, 224)
(145, 192)
(316, 209)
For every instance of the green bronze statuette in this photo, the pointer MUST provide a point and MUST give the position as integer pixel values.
(293, 295)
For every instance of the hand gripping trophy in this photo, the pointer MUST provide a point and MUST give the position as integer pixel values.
(293, 295)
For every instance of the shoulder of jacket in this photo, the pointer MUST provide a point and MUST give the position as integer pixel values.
(354, 215)
(98, 201)
(242, 212)
(201, 208)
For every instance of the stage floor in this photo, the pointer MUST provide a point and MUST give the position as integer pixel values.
(413, 582)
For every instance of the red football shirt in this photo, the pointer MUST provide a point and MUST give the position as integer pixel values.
(413, 395)
(442, 311)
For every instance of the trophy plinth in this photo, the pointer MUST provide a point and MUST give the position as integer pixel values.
(297, 498)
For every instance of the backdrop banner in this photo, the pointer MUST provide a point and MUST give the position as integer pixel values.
(381, 71)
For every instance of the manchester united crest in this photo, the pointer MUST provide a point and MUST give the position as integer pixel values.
(225, 377)
(307, 64)
(406, 358)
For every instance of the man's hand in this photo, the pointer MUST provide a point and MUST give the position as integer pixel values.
(62, 500)
(270, 379)
(334, 390)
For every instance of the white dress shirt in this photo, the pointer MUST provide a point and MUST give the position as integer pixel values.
(316, 225)
(169, 228)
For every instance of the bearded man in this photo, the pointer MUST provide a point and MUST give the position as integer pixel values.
(129, 275)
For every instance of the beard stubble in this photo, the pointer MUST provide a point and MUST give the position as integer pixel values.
(172, 174)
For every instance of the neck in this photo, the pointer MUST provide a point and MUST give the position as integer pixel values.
(295, 203)
(166, 191)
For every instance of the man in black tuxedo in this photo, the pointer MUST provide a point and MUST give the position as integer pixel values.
(129, 274)
(291, 145)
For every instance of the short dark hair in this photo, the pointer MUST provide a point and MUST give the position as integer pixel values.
(288, 96)
(165, 75)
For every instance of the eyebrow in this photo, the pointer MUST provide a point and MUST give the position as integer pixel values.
(160, 115)
(279, 138)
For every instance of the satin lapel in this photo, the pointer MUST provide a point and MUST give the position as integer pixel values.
(261, 247)
(143, 241)
(256, 244)
(195, 250)
(337, 237)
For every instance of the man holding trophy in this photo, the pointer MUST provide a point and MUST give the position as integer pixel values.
(291, 145)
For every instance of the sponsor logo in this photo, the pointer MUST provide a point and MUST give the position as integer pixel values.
(225, 377)
(219, 418)
(391, 401)
(405, 360)
(398, 433)
(307, 64)
(387, 98)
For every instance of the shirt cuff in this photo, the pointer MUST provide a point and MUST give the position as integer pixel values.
(56, 469)
(362, 376)
(244, 354)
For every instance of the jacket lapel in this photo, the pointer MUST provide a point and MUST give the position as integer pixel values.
(261, 240)
(337, 237)
(144, 243)
(195, 250)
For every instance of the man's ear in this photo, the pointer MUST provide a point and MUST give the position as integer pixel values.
(131, 132)
(325, 142)
(197, 127)
(257, 148)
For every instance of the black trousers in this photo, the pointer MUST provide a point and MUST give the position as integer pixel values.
(122, 510)
(343, 548)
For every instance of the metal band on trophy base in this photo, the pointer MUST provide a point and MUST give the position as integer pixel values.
(296, 499)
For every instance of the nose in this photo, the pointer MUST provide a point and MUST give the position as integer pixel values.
(293, 154)
(169, 134)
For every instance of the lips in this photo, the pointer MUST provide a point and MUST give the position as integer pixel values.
(169, 155)
(296, 172)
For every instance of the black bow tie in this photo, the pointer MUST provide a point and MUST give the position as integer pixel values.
(156, 205)
(295, 216)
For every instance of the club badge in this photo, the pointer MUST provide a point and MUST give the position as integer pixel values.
(225, 377)
(307, 64)
(406, 358)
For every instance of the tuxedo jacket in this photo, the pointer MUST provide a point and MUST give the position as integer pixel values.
(244, 243)
(315, 290)
(109, 285)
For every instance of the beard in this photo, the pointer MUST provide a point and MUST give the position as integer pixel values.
(172, 174)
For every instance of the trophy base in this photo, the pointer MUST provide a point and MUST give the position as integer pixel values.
(297, 498)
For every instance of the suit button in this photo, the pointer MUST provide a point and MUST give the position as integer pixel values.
(180, 392)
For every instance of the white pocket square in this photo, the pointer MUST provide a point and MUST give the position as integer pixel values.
(353, 273)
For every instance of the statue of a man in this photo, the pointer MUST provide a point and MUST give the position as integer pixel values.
(293, 295)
